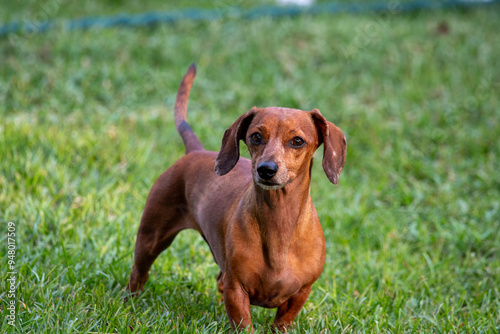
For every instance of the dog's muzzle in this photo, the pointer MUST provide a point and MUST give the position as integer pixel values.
(268, 178)
(267, 170)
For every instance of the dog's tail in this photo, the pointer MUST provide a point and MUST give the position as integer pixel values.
(191, 142)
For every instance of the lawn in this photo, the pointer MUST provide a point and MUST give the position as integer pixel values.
(412, 229)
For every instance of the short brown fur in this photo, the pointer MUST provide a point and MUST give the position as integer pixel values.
(256, 215)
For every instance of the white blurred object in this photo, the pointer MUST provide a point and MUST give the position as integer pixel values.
(295, 2)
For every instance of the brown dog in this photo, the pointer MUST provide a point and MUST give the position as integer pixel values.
(256, 215)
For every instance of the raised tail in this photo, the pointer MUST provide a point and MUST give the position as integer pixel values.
(191, 142)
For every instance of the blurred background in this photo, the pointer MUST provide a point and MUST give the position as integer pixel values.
(86, 126)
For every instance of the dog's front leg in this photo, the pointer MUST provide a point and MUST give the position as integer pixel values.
(289, 310)
(237, 303)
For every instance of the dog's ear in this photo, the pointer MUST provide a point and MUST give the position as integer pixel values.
(230, 149)
(334, 146)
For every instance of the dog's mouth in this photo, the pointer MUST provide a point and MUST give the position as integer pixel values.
(268, 185)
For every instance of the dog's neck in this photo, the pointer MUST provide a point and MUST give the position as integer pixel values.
(279, 214)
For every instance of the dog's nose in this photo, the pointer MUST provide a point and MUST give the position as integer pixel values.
(267, 170)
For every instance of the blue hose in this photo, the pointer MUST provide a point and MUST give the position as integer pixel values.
(194, 14)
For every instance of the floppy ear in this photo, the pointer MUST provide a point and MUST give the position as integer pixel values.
(230, 150)
(334, 146)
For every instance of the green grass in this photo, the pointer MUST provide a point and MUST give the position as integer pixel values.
(412, 229)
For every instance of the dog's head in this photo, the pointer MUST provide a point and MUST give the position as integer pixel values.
(281, 142)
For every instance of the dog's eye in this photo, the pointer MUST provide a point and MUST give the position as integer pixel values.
(297, 142)
(256, 138)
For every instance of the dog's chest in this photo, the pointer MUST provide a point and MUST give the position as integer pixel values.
(271, 286)
(271, 289)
